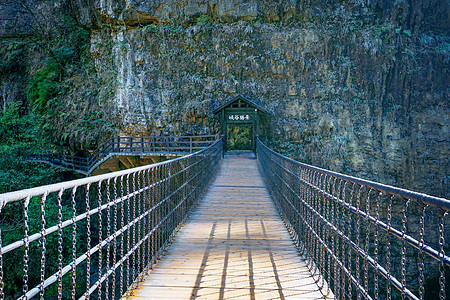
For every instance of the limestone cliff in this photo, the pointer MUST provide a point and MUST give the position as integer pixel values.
(360, 87)
(357, 86)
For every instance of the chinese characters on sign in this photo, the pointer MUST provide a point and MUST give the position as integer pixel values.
(239, 117)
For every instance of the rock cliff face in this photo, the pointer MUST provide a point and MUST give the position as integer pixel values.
(409, 14)
(360, 87)
(357, 86)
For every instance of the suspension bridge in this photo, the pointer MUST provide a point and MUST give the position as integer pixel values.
(212, 225)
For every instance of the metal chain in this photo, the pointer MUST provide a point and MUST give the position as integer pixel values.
(366, 246)
(159, 193)
(344, 212)
(163, 208)
(350, 231)
(26, 258)
(311, 221)
(116, 208)
(308, 221)
(441, 256)
(60, 245)
(88, 252)
(421, 258)
(141, 227)
(403, 259)
(329, 234)
(338, 241)
(74, 244)
(137, 187)
(148, 206)
(358, 240)
(333, 245)
(319, 259)
(152, 219)
(134, 257)
(100, 239)
(43, 240)
(108, 233)
(388, 248)
(325, 181)
(122, 225)
(315, 224)
(129, 230)
(377, 217)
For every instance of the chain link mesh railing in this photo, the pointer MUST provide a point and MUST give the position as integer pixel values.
(96, 237)
(362, 239)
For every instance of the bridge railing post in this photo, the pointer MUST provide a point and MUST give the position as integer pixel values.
(256, 145)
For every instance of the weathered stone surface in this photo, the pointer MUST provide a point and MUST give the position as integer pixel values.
(15, 19)
(344, 95)
(356, 86)
(409, 14)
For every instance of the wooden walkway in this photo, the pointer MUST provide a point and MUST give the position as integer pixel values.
(234, 246)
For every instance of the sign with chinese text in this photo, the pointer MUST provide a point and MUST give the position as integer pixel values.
(240, 117)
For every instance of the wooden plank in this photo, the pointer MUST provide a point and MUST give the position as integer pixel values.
(234, 246)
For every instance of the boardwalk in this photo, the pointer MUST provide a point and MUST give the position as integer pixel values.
(234, 246)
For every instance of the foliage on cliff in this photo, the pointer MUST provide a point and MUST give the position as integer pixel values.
(52, 100)
(64, 91)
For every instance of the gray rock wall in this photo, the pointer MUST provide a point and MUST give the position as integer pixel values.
(356, 86)
(369, 100)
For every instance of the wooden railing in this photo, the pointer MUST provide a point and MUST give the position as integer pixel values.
(130, 145)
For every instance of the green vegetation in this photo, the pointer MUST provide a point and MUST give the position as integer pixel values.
(203, 20)
(52, 100)
(239, 137)
(64, 90)
(19, 138)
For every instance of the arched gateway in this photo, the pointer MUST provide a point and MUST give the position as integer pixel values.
(240, 119)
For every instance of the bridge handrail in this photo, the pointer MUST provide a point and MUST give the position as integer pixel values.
(334, 212)
(128, 144)
(113, 227)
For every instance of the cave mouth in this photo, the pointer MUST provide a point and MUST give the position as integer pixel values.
(240, 137)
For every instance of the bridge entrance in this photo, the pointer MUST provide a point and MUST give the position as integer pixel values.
(240, 119)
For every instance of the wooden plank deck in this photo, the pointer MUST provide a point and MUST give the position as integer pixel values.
(234, 246)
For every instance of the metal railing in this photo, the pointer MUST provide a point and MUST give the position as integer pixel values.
(142, 145)
(362, 239)
(99, 235)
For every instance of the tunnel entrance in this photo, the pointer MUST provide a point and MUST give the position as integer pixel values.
(240, 137)
(240, 123)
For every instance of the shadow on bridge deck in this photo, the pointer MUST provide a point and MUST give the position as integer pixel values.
(234, 246)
